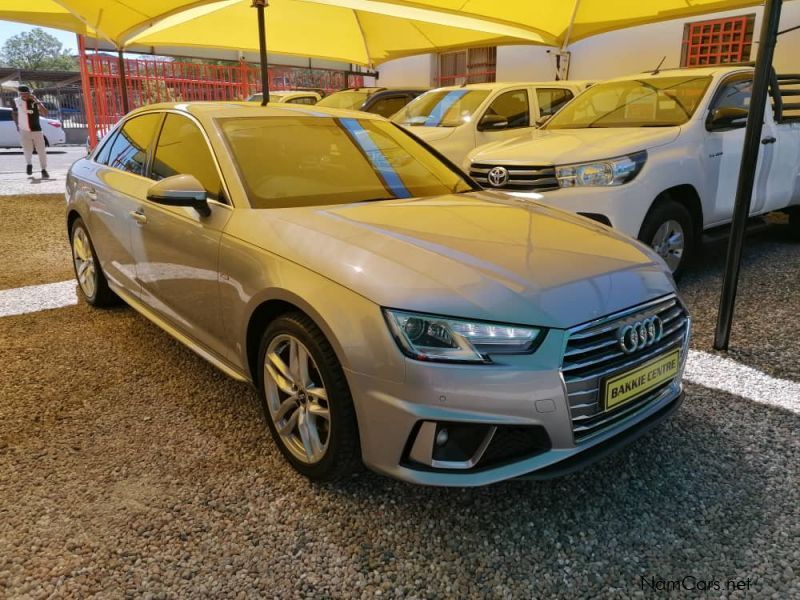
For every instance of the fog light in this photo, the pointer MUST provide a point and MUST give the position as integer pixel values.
(442, 437)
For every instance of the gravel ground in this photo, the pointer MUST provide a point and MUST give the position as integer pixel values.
(33, 237)
(128, 467)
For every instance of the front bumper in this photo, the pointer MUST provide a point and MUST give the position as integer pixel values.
(523, 392)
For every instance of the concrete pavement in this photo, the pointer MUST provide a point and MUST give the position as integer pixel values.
(14, 181)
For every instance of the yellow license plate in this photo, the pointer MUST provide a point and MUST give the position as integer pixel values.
(640, 380)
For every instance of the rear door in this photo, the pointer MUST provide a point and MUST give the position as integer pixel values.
(781, 154)
(114, 185)
(175, 248)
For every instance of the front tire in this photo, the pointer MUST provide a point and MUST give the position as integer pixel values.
(669, 230)
(306, 400)
(794, 223)
(91, 280)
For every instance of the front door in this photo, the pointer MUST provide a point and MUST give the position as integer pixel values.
(177, 249)
(508, 116)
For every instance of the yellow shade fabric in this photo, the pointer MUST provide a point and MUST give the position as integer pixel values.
(552, 18)
(357, 31)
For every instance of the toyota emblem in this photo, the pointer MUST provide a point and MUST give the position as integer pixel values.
(498, 177)
(641, 334)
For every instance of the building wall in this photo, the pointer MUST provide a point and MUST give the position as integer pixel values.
(604, 56)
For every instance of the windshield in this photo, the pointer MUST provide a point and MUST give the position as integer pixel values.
(314, 161)
(349, 99)
(647, 102)
(441, 108)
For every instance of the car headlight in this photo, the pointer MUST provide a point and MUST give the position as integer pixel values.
(435, 338)
(614, 171)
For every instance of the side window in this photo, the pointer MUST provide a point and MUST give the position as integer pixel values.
(182, 150)
(302, 100)
(128, 150)
(105, 150)
(387, 106)
(735, 94)
(513, 107)
(551, 100)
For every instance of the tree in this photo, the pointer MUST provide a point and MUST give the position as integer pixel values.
(36, 49)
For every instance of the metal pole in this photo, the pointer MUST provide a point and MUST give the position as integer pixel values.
(123, 83)
(747, 171)
(86, 87)
(260, 5)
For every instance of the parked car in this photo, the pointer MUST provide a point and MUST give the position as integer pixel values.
(9, 136)
(457, 119)
(654, 155)
(288, 96)
(387, 309)
(377, 100)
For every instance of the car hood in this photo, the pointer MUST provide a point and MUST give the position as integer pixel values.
(480, 255)
(431, 134)
(565, 146)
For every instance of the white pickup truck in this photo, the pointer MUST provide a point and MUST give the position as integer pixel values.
(655, 155)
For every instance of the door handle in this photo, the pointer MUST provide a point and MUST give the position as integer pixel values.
(91, 193)
(768, 140)
(139, 216)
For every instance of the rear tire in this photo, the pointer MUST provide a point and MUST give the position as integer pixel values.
(669, 230)
(794, 223)
(306, 400)
(91, 279)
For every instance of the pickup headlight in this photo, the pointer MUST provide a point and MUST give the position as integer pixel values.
(614, 171)
(434, 338)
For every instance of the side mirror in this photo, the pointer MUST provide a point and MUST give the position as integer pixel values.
(492, 123)
(542, 120)
(180, 190)
(723, 119)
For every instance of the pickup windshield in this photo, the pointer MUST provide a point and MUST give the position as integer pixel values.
(347, 99)
(316, 161)
(646, 102)
(441, 108)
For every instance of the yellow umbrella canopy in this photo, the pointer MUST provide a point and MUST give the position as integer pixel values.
(572, 20)
(45, 13)
(357, 31)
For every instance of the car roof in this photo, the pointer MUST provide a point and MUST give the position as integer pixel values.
(208, 110)
(506, 84)
(689, 72)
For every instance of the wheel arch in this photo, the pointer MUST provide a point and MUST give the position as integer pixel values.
(685, 194)
(268, 308)
(72, 216)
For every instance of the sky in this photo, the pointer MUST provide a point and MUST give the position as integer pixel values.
(9, 29)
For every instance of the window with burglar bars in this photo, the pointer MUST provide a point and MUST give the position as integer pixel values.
(718, 41)
(475, 65)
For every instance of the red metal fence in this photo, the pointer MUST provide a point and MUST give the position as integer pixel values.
(156, 79)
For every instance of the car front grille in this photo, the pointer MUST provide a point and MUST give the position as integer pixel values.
(520, 178)
(593, 354)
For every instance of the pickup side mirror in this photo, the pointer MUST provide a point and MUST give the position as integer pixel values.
(180, 190)
(492, 123)
(723, 119)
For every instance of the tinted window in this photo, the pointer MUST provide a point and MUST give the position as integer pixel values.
(315, 161)
(513, 106)
(735, 94)
(182, 150)
(128, 150)
(5, 115)
(303, 100)
(105, 150)
(351, 100)
(387, 106)
(551, 100)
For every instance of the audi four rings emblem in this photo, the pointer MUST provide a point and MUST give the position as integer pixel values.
(640, 335)
(498, 176)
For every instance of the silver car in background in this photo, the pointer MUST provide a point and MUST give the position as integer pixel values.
(389, 312)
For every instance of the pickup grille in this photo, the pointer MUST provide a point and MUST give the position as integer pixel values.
(520, 178)
(593, 353)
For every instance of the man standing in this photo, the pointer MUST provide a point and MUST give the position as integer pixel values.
(27, 109)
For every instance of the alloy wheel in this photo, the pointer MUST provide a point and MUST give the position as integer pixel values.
(84, 262)
(297, 398)
(669, 242)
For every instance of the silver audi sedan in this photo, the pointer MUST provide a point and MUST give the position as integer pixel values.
(389, 313)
